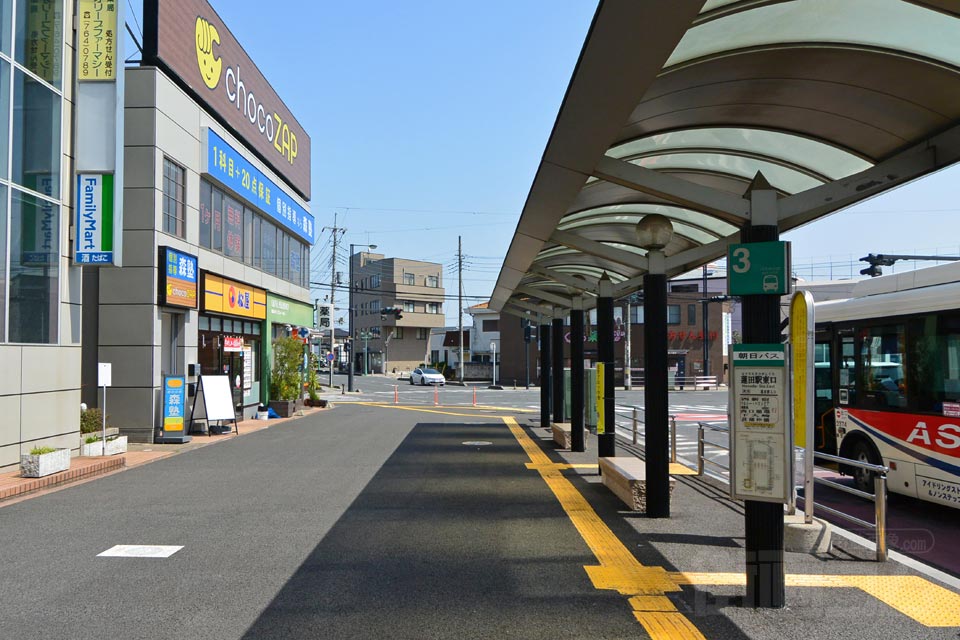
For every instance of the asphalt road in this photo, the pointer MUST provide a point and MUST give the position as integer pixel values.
(351, 523)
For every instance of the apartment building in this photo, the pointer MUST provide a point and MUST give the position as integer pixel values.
(385, 343)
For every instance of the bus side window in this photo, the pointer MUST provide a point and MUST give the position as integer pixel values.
(933, 373)
(847, 371)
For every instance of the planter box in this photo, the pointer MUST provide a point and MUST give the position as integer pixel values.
(114, 446)
(37, 466)
(284, 408)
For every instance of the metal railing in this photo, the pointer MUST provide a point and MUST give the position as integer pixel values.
(635, 421)
(702, 444)
(879, 498)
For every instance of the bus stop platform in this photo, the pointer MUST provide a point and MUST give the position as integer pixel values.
(683, 576)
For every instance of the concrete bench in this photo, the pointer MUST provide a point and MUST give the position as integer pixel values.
(626, 477)
(562, 434)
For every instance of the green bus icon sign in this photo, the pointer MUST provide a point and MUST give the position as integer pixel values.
(758, 268)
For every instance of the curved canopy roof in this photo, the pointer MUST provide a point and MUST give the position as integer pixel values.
(675, 107)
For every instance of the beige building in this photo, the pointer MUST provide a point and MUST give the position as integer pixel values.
(40, 286)
(382, 342)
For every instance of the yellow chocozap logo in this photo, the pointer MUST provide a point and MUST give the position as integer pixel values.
(210, 66)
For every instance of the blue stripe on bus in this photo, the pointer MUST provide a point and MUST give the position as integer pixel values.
(928, 460)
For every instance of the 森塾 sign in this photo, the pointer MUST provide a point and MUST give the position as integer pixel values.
(178, 278)
(221, 295)
(174, 403)
(98, 46)
(94, 219)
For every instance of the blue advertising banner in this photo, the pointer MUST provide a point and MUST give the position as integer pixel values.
(226, 165)
(174, 403)
(178, 279)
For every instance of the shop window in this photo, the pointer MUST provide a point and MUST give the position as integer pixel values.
(257, 242)
(4, 104)
(233, 228)
(215, 324)
(34, 269)
(269, 247)
(216, 231)
(174, 198)
(203, 324)
(3, 261)
(36, 136)
(248, 217)
(256, 328)
(6, 17)
(206, 213)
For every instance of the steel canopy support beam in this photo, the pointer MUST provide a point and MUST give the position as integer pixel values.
(576, 377)
(548, 296)
(676, 190)
(598, 249)
(606, 441)
(558, 399)
(534, 308)
(545, 372)
(564, 278)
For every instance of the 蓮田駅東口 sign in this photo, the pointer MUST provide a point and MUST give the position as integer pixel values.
(94, 219)
(228, 166)
(178, 279)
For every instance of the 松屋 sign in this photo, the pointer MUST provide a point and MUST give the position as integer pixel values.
(94, 219)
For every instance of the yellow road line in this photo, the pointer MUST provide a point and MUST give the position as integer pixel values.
(619, 570)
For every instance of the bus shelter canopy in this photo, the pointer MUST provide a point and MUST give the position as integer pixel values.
(676, 106)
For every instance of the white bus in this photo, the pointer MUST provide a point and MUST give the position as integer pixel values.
(887, 380)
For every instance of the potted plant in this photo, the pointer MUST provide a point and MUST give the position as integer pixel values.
(43, 461)
(285, 387)
(92, 446)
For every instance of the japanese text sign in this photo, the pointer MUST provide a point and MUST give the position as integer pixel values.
(178, 278)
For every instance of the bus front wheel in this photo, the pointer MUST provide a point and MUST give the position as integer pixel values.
(864, 452)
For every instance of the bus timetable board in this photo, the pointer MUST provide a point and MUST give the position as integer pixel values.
(761, 445)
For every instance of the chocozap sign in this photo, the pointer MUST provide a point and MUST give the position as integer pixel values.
(188, 38)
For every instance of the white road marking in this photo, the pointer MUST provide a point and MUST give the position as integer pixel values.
(139, 551)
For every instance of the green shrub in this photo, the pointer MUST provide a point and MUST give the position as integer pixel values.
(91, 420)
(313, 382)
(285, 375)
(39, 451)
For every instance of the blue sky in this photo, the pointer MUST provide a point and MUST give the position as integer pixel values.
(428, 119)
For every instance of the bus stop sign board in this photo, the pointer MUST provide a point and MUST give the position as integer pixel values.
(758, 268)
(761, 446)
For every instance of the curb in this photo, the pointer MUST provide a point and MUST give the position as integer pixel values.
(64, 477)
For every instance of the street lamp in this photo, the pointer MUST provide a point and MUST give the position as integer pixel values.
(350, 314)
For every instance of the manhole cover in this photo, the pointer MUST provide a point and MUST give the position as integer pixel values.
(477, 443)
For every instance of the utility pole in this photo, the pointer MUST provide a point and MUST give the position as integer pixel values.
(460, 305)
(335, 234)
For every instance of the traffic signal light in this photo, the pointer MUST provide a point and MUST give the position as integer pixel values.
(873, 271)
(529, 333)
(396, 312)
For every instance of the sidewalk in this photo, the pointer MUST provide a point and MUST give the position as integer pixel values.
(14, 487)
(686, 573)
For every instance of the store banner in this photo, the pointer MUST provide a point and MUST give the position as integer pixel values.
(174, 402)
(94, 219)
(178, 279)
(229, 297)
(233, 344)
(98, 41)
(230, 168)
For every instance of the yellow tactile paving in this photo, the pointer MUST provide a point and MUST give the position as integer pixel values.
(677, 469)
(667, 625)
(929, 604)
(619, 570)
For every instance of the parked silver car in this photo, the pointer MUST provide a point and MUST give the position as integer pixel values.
(427, 376)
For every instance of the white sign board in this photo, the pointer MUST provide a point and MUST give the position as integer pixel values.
(104, 374)
(217, 398)
(761, 446)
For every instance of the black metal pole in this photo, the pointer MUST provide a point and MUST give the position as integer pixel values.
(763, 520)
(558, 390)
(576, 381)
(545, 375)
(607, 441)
(655, 394)
(706, 338)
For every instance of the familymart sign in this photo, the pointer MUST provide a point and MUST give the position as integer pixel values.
(94, 219)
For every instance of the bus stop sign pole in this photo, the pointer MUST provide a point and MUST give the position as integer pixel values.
(763, 521)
